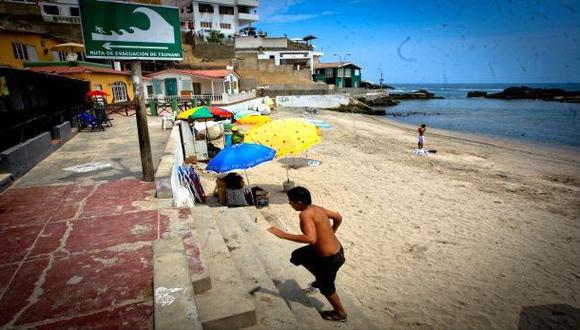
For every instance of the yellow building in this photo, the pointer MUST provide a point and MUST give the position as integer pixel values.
(23, 49)
(100, 76)
(17, 47)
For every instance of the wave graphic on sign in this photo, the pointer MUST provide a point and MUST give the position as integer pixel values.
(159, 30)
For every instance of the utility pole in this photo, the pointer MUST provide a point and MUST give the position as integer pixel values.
(142, 128)
(341, 60)
(381, 80)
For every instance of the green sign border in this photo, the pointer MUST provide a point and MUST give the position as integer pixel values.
(178, 42)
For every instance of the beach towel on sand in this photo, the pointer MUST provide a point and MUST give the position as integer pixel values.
(420, 152)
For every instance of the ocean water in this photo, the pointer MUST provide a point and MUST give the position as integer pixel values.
(552, 123)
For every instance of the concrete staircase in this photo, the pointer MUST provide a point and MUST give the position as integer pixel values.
(253, 284)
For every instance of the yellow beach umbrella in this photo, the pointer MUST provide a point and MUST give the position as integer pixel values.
(286, 136)
(186, 114)
(254, 120)
(70, 47)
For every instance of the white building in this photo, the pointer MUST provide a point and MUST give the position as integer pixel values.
(61, 11)
(279, 50)
(226, 16)
(219, 86)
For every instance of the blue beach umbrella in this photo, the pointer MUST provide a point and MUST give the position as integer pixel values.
(240, 157)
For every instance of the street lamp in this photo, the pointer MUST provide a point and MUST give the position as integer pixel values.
(341, 60)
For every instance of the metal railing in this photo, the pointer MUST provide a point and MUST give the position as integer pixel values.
(164, 102)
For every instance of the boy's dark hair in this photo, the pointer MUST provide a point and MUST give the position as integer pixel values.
(300, 195)
(423, 125)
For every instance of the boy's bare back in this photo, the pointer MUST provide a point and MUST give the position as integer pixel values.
(318, 219)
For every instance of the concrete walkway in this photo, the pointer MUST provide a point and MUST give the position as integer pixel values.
(116, 149)
(77, 245)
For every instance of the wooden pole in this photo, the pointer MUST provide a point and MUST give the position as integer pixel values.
(142, 129)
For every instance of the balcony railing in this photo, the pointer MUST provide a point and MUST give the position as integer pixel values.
(247, 17)
(62, 19)
(185, 102)
(249, 3)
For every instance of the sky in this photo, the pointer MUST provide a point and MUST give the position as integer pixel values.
(439, 41)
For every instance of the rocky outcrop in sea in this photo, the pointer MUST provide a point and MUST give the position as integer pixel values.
(420, 94)
(527, 93)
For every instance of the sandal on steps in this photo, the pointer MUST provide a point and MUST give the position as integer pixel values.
(333, 316)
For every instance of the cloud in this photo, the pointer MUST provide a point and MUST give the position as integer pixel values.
(328, 12)
(287, 18)
(278, 7)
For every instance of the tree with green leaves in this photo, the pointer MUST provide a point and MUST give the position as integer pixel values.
(215, 37)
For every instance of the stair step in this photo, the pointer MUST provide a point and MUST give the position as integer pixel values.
(276, 261)
(175, 306)
(227, 304)
(179, 226)
(271, 309)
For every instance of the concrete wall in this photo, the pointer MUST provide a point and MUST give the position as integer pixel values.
(213, 51)
(24, 156)
(315, 101)
(19, 9)
(244, 105)
(62, 132)
(248, 84)
(281, 90)
(251, 42)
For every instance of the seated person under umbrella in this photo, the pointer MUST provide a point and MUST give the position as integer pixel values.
(237, 136)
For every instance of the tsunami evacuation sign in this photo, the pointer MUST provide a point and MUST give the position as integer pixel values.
(130, 31)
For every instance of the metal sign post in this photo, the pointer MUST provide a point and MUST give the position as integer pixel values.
(132, 31)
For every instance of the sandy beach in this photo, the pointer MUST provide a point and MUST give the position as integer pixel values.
(477, 235)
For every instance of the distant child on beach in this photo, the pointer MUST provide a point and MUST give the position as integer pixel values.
(421, 131)
(323, 255)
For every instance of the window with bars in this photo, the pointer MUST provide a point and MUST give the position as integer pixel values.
(347, 72)
(206, 25)
(205, 8)
(119, 91)
(329, 73)
(225, 26)
(225, 10)
(51, 10)
(74, 11)
(24, 52)
(59, 56)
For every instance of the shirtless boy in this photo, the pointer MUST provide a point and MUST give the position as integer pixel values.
(323, 255)
(421, 131)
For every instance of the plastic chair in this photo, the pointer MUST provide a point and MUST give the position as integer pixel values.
(90, 120)
(168, 118)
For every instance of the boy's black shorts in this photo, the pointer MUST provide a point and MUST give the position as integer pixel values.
(324, 268)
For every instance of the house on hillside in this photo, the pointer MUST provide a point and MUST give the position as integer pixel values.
(225, 16)
(342, 75)
(219, 86)
(100, 77)
(19, 46)
(279, 51)
(33, 51)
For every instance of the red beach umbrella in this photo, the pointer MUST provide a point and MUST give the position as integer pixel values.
(97, 93)
(219, 112)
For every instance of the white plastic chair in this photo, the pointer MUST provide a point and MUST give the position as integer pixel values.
(168, 118)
